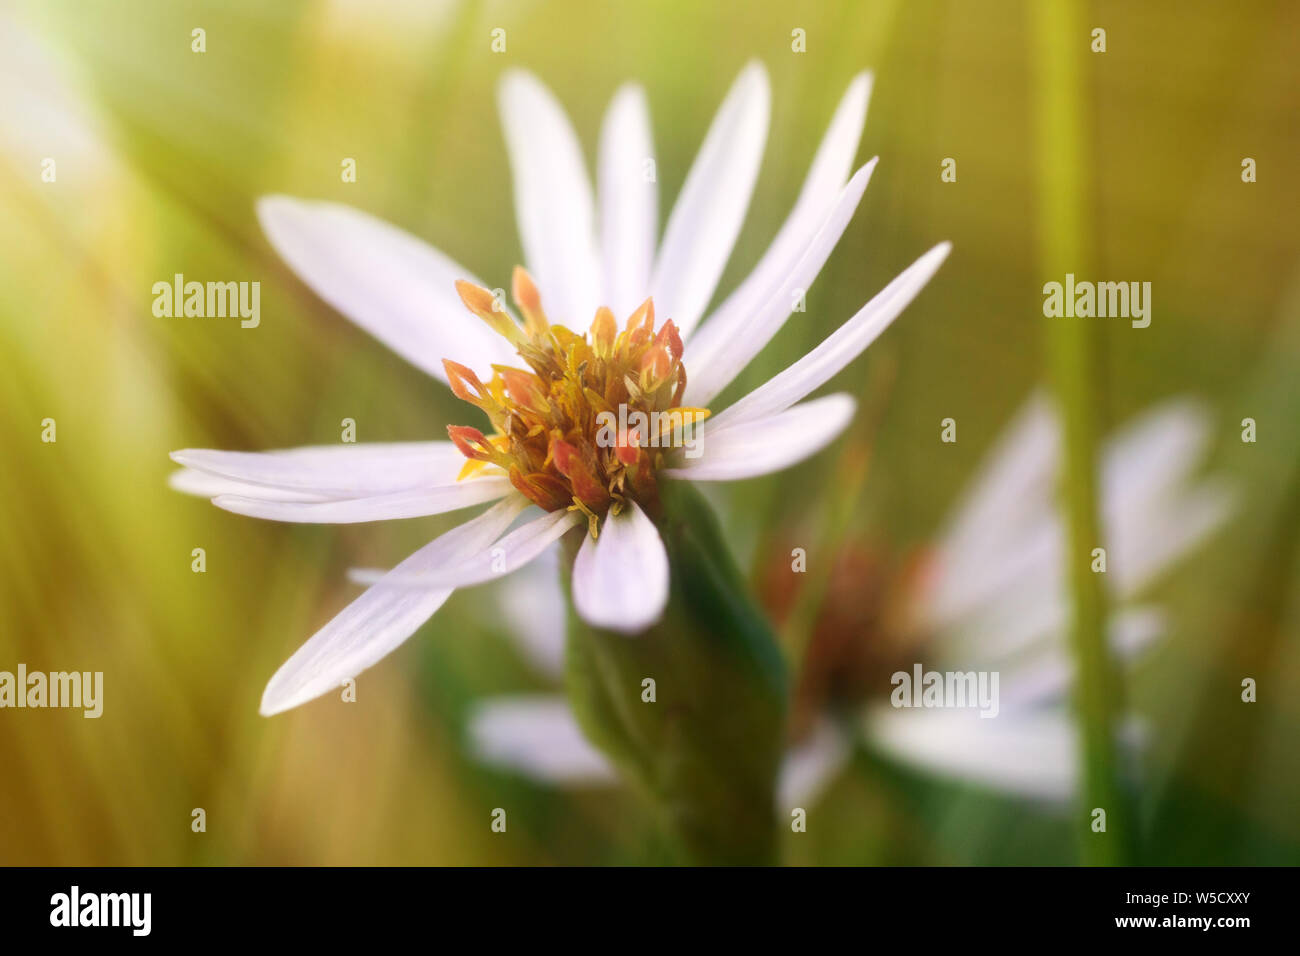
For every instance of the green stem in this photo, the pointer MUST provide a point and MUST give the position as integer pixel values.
(1060, 43)
(706, 751)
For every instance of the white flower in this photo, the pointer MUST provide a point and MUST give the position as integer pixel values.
(997, 598)
(994, 599)
(585, 252)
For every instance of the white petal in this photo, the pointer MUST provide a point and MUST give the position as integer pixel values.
(620, 580)
(629, 202)
(1030, 754)
(708, 214)
(830, 167)
(400, 504)
(841, 348)
(742, 331)
(539, 737)
(1146, 541)
(396, 287)
(824, 183)
(553, 201)
(1012, 491)
(1003, 551)
(1046, 680)
(533, 605)
(1154, 452)
(382, 618)
(334, 471)
(204, 485)
(1153, 514)
(827, 174)
(761, 447)
(1013, 563)
(809, 767)
(506, 556)
(1011, 624)
(1013, 589)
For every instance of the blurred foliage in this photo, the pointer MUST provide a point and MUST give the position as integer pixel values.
(95, 549)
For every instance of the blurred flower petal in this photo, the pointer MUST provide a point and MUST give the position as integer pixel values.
(1030, 754)
(1155, 451)
(811, 765)
(533, 605)
(1022, 567)
(1011, 492)
(1001, 557)
(1159, 534)
(1033, 755)
(1046, 679)
(539, 737)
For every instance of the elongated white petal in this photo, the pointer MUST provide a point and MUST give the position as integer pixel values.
(508, 555)
(1023, 562)
(533, 605)
(740, 332)
(1012, 490)
(334, 471)
(629, 201)
(204, 485)
(835, 154)
(1045, 679)
(382, 618)
(396, 287)
(620, 580)
(826, 176)
(824, 183)
(399, 504)
(708, 214)
(1143, 543)
(1027, 754)
(539, 737)
(1001, 557)
(809, 767)
(553, 202)
(1016, 583)
(841, 348)
(1033, 754)
(761, 447)
(986, 636)
(1154, 452)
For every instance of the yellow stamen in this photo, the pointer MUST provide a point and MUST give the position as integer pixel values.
(551, 417)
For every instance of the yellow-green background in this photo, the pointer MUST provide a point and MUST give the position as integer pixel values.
(95, 550)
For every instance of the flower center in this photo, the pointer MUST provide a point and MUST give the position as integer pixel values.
(586, 424)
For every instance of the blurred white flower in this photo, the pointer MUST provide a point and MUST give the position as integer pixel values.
(994, 599)
(405, 293)
(997, 598)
